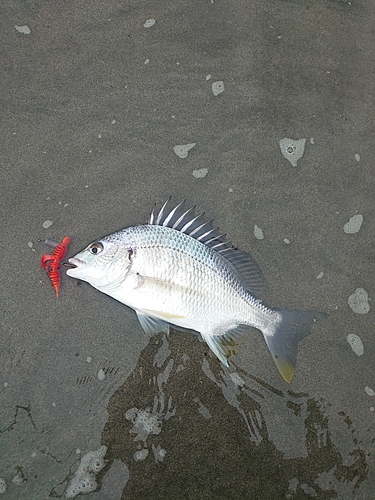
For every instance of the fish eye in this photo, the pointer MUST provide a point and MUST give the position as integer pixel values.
(96, 248)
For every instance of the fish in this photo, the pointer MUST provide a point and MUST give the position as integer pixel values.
(179, 269)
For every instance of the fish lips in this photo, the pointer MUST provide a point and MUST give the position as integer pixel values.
(74, 265)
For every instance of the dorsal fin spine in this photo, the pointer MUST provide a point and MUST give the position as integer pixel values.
(191, 223)
(186, 222)
(206, 236)
(202, 227)
(183, 216)
(161, 215)
(172, 213)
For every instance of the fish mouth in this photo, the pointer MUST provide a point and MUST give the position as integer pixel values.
(73, 264)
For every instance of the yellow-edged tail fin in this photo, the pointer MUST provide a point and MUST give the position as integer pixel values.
(283, 341)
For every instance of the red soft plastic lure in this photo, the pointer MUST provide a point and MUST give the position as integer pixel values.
(51, 263)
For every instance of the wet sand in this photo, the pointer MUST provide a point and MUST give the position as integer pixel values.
(95, 99)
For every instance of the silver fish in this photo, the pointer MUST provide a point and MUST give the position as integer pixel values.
(178, 269)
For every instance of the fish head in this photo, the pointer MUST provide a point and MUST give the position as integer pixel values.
(103, 263)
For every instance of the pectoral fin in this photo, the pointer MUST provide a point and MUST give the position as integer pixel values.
(151, 324)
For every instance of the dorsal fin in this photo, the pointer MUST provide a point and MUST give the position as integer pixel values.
(185, 221)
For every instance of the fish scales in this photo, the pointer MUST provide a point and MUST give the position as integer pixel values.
(192, 279)
(180, 270)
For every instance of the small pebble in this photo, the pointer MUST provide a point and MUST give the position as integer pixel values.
(292, 149)
(369, 391)
(23, 29)
(356, 344)
(47, 223)
(149, 23)
(354, 224)
(258, 233)
(182, 150)
(358, 302)
(202, 172)
(217, 88)
(140, 455)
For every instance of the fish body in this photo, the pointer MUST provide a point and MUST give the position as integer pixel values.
(180, 270)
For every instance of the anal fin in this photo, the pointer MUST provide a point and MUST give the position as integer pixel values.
(221, 345)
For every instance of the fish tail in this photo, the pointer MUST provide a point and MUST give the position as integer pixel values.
(283, 340)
